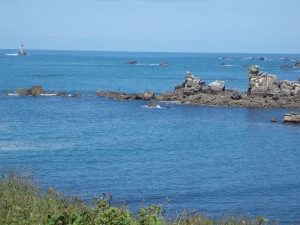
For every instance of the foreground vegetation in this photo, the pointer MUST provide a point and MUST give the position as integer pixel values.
(21, 202)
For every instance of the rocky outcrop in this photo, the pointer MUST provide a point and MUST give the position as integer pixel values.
(261, 83)
(193, 85)
(22, 92)
(35, 91)
(265, 92)
(292, 118)
(297, 64)
(38, 91)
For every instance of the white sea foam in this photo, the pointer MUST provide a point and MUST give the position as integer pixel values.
(20, 146)
(12, 94)
(48, 94)
(13, 54)
(151, 107)
(226, 65)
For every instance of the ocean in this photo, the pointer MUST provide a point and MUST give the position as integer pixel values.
(216, 160)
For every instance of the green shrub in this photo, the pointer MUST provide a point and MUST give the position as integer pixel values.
(22, 203)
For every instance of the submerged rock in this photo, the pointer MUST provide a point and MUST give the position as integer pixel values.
(132, 62)
(286, 66)
(274, 120)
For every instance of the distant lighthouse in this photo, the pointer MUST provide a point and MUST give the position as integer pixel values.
(22, 51)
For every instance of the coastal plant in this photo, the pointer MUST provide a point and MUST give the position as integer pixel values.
(104, 213)
(22, 203)
(150, 215)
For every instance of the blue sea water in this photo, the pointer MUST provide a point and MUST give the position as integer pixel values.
(213, 159)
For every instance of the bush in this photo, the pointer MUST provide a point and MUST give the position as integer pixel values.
(22, 203)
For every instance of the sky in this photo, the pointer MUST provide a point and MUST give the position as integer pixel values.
(241, 26)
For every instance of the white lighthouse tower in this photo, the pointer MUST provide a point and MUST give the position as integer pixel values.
(22, 51)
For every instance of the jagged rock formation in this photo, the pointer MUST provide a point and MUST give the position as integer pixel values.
(261, 83)
(193, 85)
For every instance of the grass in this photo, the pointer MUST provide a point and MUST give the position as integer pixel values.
(23, 203)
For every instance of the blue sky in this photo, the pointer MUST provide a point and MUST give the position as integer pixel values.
(262, 26)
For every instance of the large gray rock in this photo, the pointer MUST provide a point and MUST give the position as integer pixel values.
(190, 80)
(148, 95)
(217, 86)
(253, 71)
(297, 89)
(287, 87)
(291, 118)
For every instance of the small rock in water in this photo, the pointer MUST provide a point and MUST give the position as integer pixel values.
(275, 120)
(132, 62)
(152, 105)
(21, 92)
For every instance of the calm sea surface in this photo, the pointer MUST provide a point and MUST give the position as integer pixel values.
(213, 159)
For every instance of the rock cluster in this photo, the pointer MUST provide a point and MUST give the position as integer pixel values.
(261, 83)
(193, 85)
(34, 91)
(38, 91)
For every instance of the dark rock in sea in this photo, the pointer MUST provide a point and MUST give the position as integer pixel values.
(21, 92)
(61, 94)
(35, 91)
(291, 118)
(297, 64)
(152, 105)
(101, 93)
(274, 120)
(132, 62)
(262, 58)
(77, 95)
(164, 64)
(168, 106)
(286, 66)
